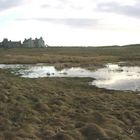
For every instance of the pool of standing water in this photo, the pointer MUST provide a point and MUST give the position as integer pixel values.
(112, 76)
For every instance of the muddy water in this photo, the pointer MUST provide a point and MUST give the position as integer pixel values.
(112, 76)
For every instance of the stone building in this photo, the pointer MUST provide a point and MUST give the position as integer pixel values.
(10, 44)
(37, 43)
(0, 44)
(27, 43)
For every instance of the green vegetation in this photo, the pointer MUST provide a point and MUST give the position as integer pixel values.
(67, 108)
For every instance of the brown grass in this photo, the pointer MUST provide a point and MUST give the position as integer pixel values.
(66, 108)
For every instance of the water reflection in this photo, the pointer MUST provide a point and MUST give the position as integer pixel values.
(118, 78)
(112, 76)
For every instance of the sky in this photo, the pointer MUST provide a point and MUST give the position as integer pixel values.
(71, 22)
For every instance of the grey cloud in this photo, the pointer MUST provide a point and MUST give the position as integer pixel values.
(115, 7)
(65, 1)
(74, 22)
(6, 4)
(63, 4)
(46, 6)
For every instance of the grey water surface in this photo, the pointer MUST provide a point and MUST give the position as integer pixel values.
(112, 76)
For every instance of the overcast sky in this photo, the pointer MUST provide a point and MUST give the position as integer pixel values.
(71, 22)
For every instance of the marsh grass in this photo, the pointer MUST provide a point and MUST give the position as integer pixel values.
(66, 108)
(67, 57)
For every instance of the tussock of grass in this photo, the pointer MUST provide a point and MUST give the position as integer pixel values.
(94, 132)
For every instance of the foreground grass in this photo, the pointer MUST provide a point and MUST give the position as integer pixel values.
(66, 108)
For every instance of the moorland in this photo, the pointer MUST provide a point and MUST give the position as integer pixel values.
(67, 108)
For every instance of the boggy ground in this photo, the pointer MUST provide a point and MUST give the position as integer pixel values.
(67, 108)
(61, 57)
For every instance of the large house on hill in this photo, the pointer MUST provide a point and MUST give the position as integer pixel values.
(9, 44)
(27, 43)
(37, 43)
